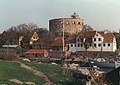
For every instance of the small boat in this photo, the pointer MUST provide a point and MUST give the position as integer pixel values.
(104, 64)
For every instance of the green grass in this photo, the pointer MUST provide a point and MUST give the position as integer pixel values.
(12, 70)
(54, 73)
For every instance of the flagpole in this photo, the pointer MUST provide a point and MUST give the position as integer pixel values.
(63, 32)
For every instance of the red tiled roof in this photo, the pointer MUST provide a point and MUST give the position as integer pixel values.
(88, 34)
(108, 37)
(57, 42)
(36, 52)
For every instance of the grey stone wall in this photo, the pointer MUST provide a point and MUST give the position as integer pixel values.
(70, 25)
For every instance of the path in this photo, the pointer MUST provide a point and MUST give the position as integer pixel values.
(35, 72)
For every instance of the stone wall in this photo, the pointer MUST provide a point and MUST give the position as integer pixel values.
(70, 25)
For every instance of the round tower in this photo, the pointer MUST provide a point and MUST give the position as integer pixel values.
(72, 25)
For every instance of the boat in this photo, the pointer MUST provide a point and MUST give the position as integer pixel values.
(104, 64)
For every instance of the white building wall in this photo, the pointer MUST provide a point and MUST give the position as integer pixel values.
(72, 48)
(81, 48)
(112, 47)
(107, 48)
(97, 42)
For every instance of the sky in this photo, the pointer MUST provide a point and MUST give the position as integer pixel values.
(99, 14)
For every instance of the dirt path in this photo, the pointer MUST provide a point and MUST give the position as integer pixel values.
(35, 72)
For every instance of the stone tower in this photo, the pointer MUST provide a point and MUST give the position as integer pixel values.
(71, 25)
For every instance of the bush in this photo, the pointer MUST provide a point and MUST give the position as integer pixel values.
(9, 57)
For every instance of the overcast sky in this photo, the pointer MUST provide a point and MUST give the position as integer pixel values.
(99, 14)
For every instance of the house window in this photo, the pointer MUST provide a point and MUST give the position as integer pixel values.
(78, 45)
(108, 44)
(90, 44)
(99, 45)
(97, 35)
(78, 40)
(94, 39)
(99, 39)
(81, 45)
(104, 44)
(82, 39)
(75, 45)
(94, 45)
(71, 45)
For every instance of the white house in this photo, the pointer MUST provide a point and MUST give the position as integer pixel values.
(94, 41)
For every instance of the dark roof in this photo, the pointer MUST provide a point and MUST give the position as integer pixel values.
(71, 39)
(88, 35)
(57, 41)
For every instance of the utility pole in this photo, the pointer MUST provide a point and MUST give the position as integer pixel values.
(63, 33)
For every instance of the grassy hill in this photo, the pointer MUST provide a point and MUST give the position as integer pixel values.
(54, 73)
(12, 70)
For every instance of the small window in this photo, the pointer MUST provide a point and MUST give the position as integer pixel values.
(71, 45)
(90, 44)
(94, 45)
(108, 44)
(74, 23)
(79, 23)
(78, 40)
(75, 45)
(67, 22)
(104, 44)
(81, 45)
(82, 39)
(99, 39)
(78, 45)
(94, 39)
(99, 45)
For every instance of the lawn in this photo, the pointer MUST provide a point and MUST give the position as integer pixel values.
(12, 70)
(54, 73)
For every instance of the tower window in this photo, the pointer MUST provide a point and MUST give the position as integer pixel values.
(79, 23)
(74, 23)
(67, 22)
